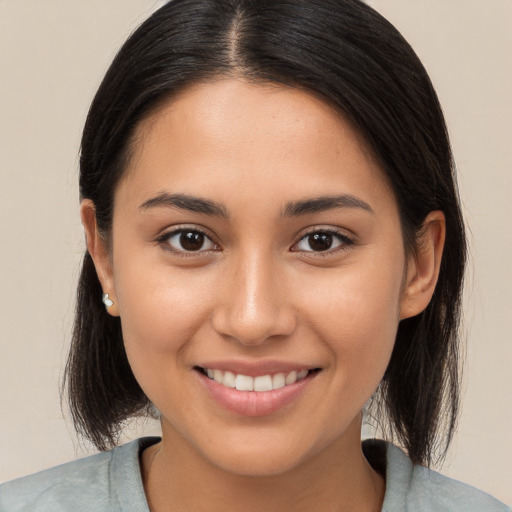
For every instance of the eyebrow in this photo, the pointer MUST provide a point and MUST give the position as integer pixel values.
(185, 202)
(324, 203)
(292, 209)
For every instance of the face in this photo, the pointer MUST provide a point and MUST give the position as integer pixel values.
(255, 241)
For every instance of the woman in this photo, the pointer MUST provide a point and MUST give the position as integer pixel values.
(274, 242)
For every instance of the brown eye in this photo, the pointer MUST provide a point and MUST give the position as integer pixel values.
(323, 241)
(189, 240)
(320, 241)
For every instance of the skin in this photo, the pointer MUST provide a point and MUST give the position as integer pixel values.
(258, 291)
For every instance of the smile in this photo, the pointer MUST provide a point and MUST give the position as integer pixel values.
(260, 383)
(258, 394)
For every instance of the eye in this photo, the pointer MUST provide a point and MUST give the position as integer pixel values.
(323, 241)
(188, 240)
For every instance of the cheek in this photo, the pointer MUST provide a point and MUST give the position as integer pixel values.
(162, 311)
(356, 314)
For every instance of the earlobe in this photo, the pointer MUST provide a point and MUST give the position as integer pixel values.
(424, 265)
(99, 252)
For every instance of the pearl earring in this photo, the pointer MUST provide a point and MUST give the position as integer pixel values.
(107, 300)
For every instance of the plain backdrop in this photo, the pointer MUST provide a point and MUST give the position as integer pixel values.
(53, 54)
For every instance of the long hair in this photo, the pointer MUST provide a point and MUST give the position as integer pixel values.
(353, 59)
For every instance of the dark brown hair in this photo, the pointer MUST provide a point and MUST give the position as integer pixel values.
(357, 62)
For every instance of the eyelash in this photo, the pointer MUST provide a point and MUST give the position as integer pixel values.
(164, 239)
(344, 240)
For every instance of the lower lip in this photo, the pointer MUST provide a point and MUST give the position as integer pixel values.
(255, 403)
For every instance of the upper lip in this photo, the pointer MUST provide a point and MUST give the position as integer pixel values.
(256, 368)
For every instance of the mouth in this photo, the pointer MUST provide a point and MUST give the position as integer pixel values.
(259, 383)
(256, 388)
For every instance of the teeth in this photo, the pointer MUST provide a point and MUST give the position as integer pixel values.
(244, 383)
(278, 381)
(263, 383)
(291, 378)
(229, 380)
(260, 383)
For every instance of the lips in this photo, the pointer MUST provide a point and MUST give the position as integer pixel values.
(250, 391)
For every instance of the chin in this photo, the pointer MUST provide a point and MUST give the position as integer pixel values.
(259, 457)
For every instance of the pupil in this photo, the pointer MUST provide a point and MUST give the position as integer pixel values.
(320, 241)
(191, 240)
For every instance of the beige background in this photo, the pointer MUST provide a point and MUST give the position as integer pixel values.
(53, 54)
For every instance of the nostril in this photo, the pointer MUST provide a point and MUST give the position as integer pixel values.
(254, 329)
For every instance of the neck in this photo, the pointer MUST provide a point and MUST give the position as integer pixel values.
(339, 479)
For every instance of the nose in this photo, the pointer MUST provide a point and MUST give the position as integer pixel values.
(253, 307)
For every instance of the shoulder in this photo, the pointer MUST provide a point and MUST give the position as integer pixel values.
(98, 482)
(62, 486)
(416, 488)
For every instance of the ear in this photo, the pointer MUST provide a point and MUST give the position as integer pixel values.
(423, 266)
(99, 252)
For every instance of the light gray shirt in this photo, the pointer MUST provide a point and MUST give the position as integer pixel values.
(111, 482)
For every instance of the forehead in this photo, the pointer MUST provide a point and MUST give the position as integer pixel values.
(251, 135)
(235, 108)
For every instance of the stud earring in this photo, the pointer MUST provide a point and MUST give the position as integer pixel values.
(107, 300)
